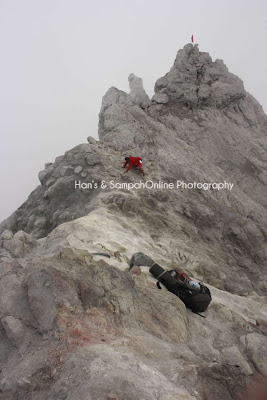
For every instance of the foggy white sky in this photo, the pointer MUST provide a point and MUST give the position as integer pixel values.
(59, 57)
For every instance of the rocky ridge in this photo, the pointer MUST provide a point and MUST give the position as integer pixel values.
(78, 325)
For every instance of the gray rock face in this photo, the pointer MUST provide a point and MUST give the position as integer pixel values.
(42, 299)
(19, 244)
(13, 298)
(160, 98)
(141, 382)
(7, 235)
(55, 200)
(137, 92)
(103, 325)
(91, 140)
(232, 356)
(117, 115)
(196, 81)
(76, 324)
(256, 346)
(15, 329)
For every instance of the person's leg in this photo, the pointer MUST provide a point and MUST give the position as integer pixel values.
(141, 169)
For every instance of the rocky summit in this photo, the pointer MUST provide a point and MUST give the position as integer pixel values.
(76, 323)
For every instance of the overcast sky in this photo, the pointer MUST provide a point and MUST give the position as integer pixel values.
(59, 57)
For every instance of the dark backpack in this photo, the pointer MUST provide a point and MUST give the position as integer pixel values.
(177, 283)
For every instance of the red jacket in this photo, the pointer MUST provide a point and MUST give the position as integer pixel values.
(134, 161)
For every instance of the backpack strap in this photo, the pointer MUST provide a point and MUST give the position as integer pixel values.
(160, 275)
(203, 316)
(158, 285)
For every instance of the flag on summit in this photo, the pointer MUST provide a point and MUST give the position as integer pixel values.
(192, 38)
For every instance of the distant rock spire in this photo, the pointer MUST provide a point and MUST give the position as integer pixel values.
(137, 92)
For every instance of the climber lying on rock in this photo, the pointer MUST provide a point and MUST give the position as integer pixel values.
(134, 162)
(194, 295)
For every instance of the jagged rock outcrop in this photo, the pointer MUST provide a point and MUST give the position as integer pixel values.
(75, 323)
(137, 92)
(196, 80)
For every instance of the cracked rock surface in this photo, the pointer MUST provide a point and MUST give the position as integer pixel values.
(75, 323)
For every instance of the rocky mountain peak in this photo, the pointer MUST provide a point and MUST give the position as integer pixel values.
(196, 81)
(66, 292)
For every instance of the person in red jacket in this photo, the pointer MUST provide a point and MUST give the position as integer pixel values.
(135, 162)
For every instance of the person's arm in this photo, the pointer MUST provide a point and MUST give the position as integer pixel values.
(125, 164)
(130, 166)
